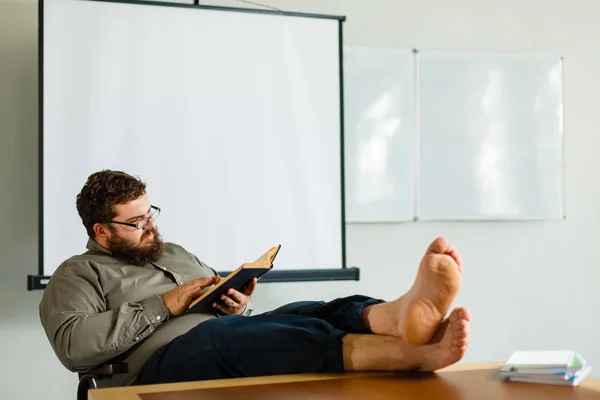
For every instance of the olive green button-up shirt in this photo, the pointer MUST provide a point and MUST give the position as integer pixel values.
(96, 308)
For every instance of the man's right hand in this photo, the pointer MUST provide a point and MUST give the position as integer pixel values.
(177, 300)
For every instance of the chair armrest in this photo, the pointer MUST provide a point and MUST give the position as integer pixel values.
(87, 379)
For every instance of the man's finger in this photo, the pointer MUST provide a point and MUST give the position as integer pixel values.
(195, 292)
(229, 301)
(193, 288)
(189, 294)
(235, 295)
(199, 282)
(220, 307)
(250, 289)
(204, 282)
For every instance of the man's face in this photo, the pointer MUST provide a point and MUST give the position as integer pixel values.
(137, 246)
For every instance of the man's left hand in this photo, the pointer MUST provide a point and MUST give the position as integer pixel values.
(235, 302)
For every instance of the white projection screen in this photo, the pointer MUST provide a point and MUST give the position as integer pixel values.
(231, 117)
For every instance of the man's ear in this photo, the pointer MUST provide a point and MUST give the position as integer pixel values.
(101, 231)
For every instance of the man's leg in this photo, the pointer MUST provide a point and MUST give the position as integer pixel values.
(414, 316)
(345, 313)
(236, 346)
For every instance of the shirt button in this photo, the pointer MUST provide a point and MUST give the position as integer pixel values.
(158, 317)
(137, 338)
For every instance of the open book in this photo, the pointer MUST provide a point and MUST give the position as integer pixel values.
(238, 280)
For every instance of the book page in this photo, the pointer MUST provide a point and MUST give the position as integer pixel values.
(268, 257)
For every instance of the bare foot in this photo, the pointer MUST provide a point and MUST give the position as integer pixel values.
(417, 315)
(390, 353)
(452, 346)
(439, 334)
(422, 309)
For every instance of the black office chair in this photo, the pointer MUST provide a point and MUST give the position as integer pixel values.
(89, 379)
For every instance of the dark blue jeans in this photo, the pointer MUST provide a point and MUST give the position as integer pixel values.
(302, 337)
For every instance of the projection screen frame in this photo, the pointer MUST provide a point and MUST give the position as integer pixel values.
(37, 282)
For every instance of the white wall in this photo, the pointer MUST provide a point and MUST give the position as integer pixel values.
(528, 284)
(33, 370)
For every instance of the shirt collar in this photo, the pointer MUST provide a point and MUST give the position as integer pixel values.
(95, 246)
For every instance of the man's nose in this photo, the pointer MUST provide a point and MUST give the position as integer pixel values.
(150, 224)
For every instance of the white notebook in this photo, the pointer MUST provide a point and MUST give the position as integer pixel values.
(543, 359)
(558, 367)
(553, 380)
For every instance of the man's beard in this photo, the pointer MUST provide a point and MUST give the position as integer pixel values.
(136, 255)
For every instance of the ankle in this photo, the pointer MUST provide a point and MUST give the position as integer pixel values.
(381, 318)
(368, 317)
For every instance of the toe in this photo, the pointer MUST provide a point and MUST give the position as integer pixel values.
(466, 313)
(439, 246)
(460, 325)
(463, 333)
(460, 313)
(460, 339)
(452, 252)
(460, 347)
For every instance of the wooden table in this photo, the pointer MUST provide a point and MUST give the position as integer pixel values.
(475, 381)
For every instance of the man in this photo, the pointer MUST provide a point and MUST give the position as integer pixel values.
(126, 299)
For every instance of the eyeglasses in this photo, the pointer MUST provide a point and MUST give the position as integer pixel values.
(141, 224)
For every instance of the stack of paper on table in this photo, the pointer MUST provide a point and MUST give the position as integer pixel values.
(564, 367)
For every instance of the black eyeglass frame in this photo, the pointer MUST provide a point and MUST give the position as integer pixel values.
(141, 224)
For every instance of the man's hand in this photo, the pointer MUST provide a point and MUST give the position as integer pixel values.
(177, 300)
(235, 302)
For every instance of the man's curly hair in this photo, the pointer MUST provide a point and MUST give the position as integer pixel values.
(103, 190)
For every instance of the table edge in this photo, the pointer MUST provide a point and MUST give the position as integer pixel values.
(133, 392)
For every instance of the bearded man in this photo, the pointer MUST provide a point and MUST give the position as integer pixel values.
(126, 299)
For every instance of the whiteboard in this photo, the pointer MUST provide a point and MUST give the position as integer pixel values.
(491, 137)
(379, 136)
(232, 119)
